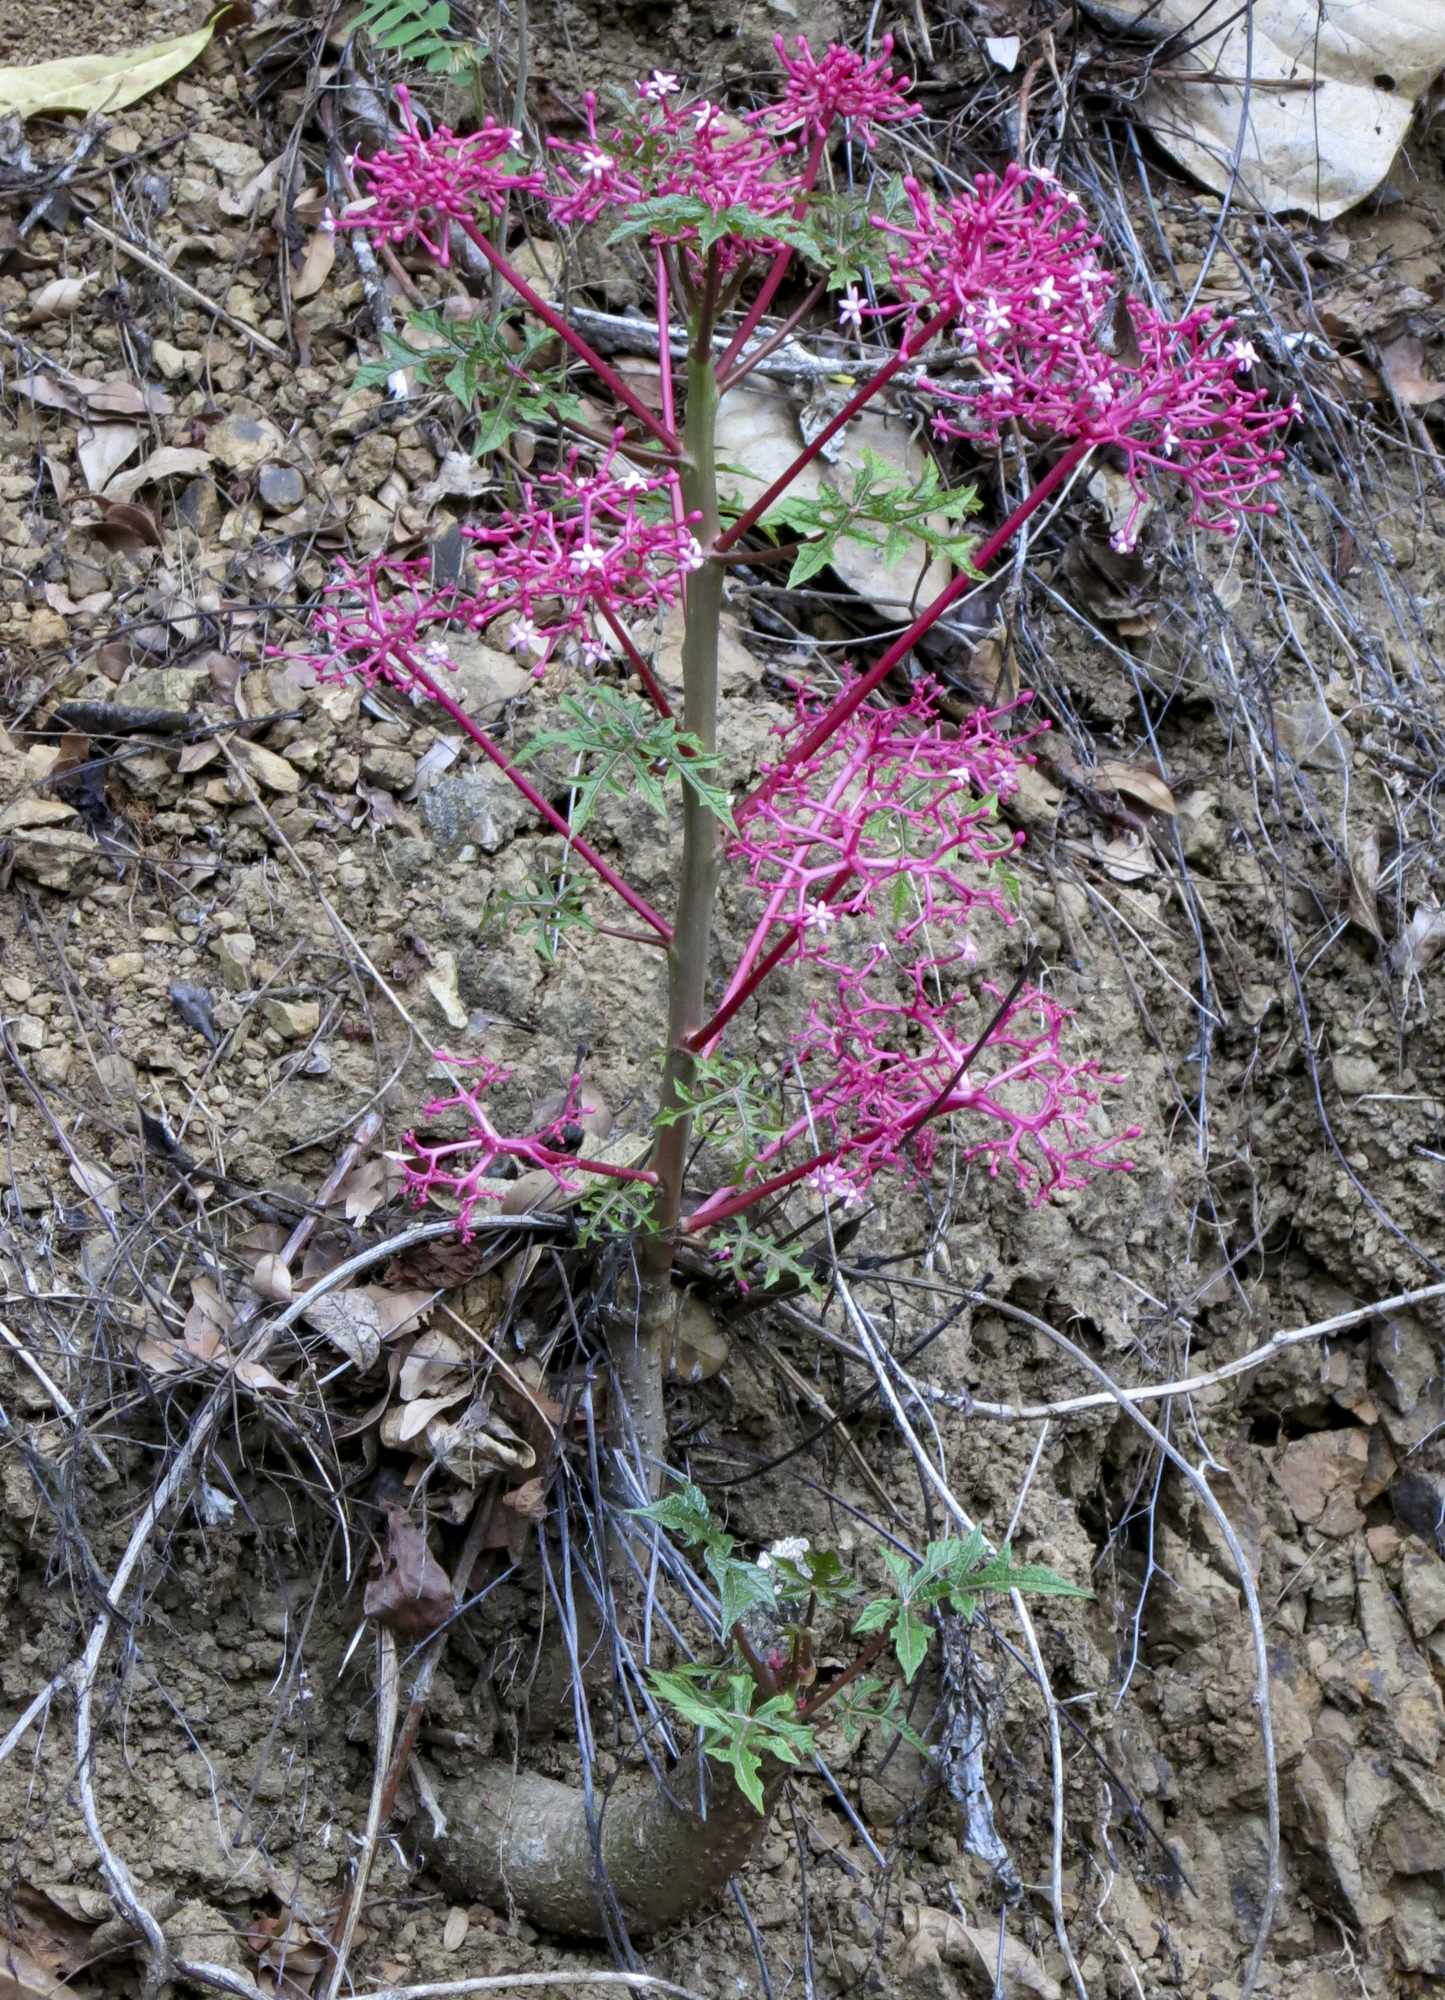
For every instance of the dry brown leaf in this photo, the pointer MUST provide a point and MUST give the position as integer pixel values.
(94, 1181)
(416, 1416)
(1141, 785)
(457, 1925)
(320, 256)
(428, 1365)
(349, 1320)
(938, 1934)
(103, 449)
(398, 1312)
(57, 300)
(172, 461)
(1364, 883)
(208, 1321)
(99, 82)
(162, 1357)
(256, 1376)
(528, 1499)
(1126, 857)
(195, 757)
(413, 1594)
(1403, 366)
(363, 1190)
(23, 1978)
(1420, 940)
(271, 1279)
(128, 526)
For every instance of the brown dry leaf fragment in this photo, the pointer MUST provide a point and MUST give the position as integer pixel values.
(935, 1935)
(320, 256)
(398, 1312)
(24, 1978)
(172, 461)
(57, 300)
(1126, 858)
(1418, 943)
(161, 1357)
(413, 1594)
(1364, 882)
(208, 1321)
(429, 1364)
(1403, 366)
(350, 1321)
(196, 756)
(1141, 785)
(363, 1190)
(457, 1925)
(256, 1376)
(103, 449)
(271, 1279)
(415, 1417)
(528, 1499)
(128, 526)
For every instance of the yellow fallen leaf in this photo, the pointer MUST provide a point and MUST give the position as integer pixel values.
(99, 83)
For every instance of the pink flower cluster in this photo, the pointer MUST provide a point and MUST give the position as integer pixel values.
(465, 1170)
(583, 546)
(893, 826)
(1013, 262)
(441, 176)
(663, 147)
(838, 84)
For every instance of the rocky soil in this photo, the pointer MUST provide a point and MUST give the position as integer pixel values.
(242, 908)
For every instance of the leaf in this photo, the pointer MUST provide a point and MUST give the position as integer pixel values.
(208, 1321)
(161, 1357)
(433, 1358)
(99, 83)
(94, 1182)
(128, 526)
(24, 1978)
(398, 1312)
(271, 1278)
(103, 449)
(911, 1635)
(413, 1595)
(350, 1321)
(320, 256)
(1126, 857)
(256, 1376)
(1364, 882)
(57, 300)
(454, 1936)
(416, 1416)
(1402, 364)
(1141, 785)
(172, 461)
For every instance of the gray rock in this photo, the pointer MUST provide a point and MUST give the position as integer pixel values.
(1422, 1583)
(477, 807)
(280, 487)
(199, 506)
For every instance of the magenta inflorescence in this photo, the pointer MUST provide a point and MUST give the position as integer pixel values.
(580, 545)
(893, 828)
(862, 91)
(1049, 343)
(442, 176)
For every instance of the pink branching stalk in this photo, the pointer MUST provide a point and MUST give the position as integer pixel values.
(442, 177)
(465, 1170)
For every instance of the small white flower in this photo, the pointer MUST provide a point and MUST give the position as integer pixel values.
(994, 318)
(850, 309)
(1103, 394)
(703, 115)
(596, 165)
(818, 917)
(436, 654)
(523, 637)
(830, 1181)
(1168, 442)
(628, 476)
(791, 1549)
(1047, 293)
(588, 557)
(692, 557)
(662, 83)
(1242, 354)
(328, 222)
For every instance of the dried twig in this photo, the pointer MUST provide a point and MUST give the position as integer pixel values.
(187, 290)
(386, 1712)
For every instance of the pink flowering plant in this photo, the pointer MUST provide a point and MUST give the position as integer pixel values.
(871, 844)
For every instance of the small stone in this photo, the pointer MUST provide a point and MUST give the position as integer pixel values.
(293, 1020)
(122, 141)
(393, 770)
(199, 506)
(280, 488)
(28, 1032)
(174, 362)
(125, 964)
(52, 1065)
(355, 413)
(16, 989)
(228, 157)
(1355, 1076)
(478, 808)
(47, 628)
(235, 951)
(441, 983)
(266, 767)
(172, 689)
(243, 444)
(1422, 1576)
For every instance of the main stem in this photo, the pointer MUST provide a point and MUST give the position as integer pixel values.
(640, 1345)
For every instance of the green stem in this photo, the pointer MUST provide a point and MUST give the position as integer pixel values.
(639, 1349)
